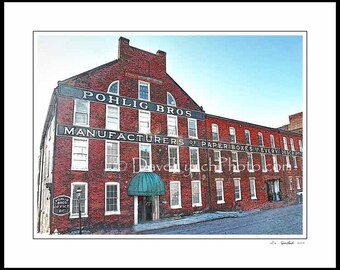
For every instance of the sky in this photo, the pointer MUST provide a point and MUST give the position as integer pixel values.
(256, 79)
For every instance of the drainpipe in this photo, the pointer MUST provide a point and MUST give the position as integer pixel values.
(282, 173)
(207, 157)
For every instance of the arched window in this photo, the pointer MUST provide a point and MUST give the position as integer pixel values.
(171, 100)
(114, 88)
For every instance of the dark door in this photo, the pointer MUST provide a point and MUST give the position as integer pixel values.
(144, 208)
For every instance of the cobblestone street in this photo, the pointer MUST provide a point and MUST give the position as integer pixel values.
(279, 221)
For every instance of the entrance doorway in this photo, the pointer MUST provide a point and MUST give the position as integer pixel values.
(273, 188)
(146, 209)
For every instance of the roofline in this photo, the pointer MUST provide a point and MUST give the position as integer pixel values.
(90, 70)
(200, 107)
(243, 122)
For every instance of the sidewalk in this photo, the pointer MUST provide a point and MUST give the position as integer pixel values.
(195, 218)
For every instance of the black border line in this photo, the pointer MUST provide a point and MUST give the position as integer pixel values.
(174, 31)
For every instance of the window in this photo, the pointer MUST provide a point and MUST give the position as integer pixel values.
(288, 162)
(300, 145)
(292, 144)
(215, 135)
(285, 145)
(112, 117)
(250, 162)
(263, 162)
(247, 136)
(298, 187)
(80, 154)
(275, 167)
(217, 161)
(143, 90)
(175, 194)
(145, 157)
(172, 125)
(290, 183)
(272, 141)
(219, 191)
(74, 199)
(81, 112)
(260, 139)
(196, 193)
(194, 159)
(170, 100)
(144, 122)
(192, 127)
(112, 201)
(173, 158)
(295, 162)
(113, 88)
(232, 135)
(237, 186)
(234, 161)
(111, 156)
(252, 188)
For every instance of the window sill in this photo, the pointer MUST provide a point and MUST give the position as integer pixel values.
(82, 170)
(112, 170)
(175, 207)
(218, 171)
(173, 135)
(77, 216)
(254, 198)
(265, 171)
(195, 170)
(174, 171)
(197, 205)
(220, 202)
(193, 137)
(112, 213)
(251, 171)
(236, 200)
(81, 125)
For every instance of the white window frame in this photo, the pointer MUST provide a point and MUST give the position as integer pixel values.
(292, 146)
(196, 131)
(139, 121)
(118, 154)
(76, 215)
(252, 183)
(107, 114)
(285, 144)
(199, 203)
(261, 142)
(245, 136)
(144, 83)
(272, 141)
(290, 179)
(288, 162)
(118, 198)
(178, 183)
(167, 100)
(73, 168)
(178, 163)
(176, 121)
(198, 159)
(300, 145)
(217, 132)
(264, 162)
(140, 159)
(295, 162)
(230, 129)
(116, 81)
(237, 169)
(252, 162)
(220, 180)
(275, 167)
(237, 180)
(75, 110)
(297, 179)
(219, 162)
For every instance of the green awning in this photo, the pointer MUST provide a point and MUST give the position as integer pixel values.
(146, 184)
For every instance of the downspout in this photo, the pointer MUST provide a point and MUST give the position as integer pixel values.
(207, 157)
(282, 173)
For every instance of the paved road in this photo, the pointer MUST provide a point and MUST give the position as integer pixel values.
(283, 220)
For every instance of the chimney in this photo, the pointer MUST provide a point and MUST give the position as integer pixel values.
(162, 58)
(123, 46)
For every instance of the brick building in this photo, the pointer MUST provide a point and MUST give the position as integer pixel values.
(295, 123)
(128, 145)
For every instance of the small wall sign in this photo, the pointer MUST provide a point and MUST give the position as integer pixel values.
(61, 205)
